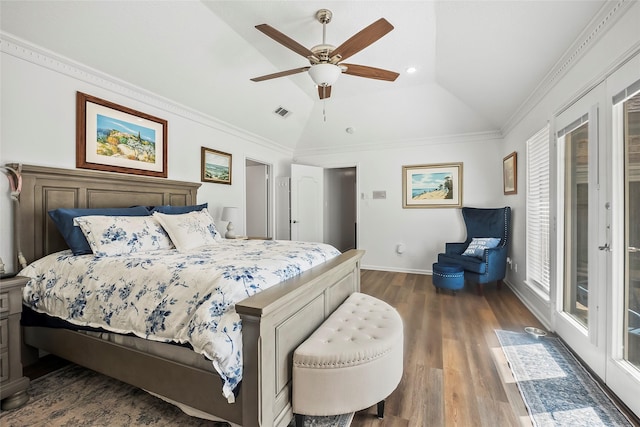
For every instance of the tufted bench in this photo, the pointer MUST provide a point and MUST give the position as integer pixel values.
(351, 362)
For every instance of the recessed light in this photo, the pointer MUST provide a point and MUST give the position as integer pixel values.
(411, 70)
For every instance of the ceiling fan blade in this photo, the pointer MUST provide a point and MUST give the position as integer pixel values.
(324, 91)
(370, 72)
(363, 39)
(280, 74)
(284, 40)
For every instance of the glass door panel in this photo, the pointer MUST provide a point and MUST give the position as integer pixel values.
(576, 224)
(632, 230)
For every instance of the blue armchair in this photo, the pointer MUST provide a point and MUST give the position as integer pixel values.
(488, 262)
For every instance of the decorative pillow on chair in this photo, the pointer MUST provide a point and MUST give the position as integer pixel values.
(118, 235)
(479, 244)
(190, 230)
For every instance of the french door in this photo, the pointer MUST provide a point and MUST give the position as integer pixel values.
(623, 363)
(583, 229)
(597, 293)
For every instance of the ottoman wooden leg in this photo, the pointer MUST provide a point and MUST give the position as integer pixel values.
(299, 420)
(381, 409)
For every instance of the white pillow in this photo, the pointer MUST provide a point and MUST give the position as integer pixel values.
(479, 244)
(190, 230)
(117, 235)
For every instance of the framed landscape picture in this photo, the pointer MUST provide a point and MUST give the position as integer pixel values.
(110, 137)
(216, 166)
(432, 186)
(510, 173)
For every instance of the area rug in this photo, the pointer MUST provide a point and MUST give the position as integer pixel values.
(75, 396)
(557, 390)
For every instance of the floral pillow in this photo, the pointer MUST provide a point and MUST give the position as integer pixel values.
(479, 244)
(190, 230)
(118, 235)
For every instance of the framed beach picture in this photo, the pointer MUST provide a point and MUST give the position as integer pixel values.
(216, 166)
(432, 186)
(110, 137)
(510, 173)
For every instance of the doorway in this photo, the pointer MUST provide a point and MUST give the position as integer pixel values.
(257, 199)
(323, 205)
(340, 208)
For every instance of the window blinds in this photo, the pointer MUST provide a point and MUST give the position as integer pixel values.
(538, 210)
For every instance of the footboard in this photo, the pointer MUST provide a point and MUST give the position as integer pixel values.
(275, 322)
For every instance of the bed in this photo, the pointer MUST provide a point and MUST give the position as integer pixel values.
(274, 321)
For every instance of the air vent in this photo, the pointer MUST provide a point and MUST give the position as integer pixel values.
(282, 112)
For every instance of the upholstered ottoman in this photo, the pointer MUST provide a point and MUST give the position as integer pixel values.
(448, 276)
(351, 362)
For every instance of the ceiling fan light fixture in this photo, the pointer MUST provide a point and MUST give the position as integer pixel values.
(324, 74)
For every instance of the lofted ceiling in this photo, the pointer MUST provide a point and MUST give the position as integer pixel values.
(476, 61)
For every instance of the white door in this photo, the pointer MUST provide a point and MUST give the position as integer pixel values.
(583, 229)
(307, 203)
(623, 361)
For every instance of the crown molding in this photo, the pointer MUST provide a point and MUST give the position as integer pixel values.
(610, 12)
(24, 50)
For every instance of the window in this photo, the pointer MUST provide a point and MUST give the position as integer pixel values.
(538, 211)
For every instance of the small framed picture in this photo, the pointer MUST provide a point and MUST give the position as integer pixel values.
(113, 138)
(432, 186)
(510, 173)
(216, 166)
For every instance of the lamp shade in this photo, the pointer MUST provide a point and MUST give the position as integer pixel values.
(324, 74)
(229, 214)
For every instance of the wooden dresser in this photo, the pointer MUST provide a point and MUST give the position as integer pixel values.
(13, 384)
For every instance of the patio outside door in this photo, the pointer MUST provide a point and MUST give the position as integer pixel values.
(597, 298)
(583, 230)
(623, 363)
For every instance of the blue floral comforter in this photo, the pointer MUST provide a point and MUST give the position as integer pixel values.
(170, 296)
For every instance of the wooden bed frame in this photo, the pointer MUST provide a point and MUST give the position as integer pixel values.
(274, 321)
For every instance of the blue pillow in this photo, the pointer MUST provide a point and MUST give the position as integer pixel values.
(176, 210)
(72, 234)
(479, 244)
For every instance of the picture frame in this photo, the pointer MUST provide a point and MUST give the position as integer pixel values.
(114, 138)
(215, 166)
(436, 185)
(510, 173)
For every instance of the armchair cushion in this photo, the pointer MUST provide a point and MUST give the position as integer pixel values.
(468, 263)
(479, 244)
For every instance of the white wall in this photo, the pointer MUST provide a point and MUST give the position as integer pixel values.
(617, 46)
(38, 128)
(383, 223)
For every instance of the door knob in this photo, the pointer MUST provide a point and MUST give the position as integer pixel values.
(633, 250)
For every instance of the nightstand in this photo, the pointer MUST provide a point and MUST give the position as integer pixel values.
(13, 384)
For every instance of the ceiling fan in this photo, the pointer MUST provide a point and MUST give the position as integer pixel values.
(325, 59)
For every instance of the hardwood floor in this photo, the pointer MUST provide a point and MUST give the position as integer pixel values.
(451, 377)
(454, 370)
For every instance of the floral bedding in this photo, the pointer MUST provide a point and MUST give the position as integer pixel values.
(170, 296)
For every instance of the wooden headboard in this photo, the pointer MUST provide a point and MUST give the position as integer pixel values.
(46, 188)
